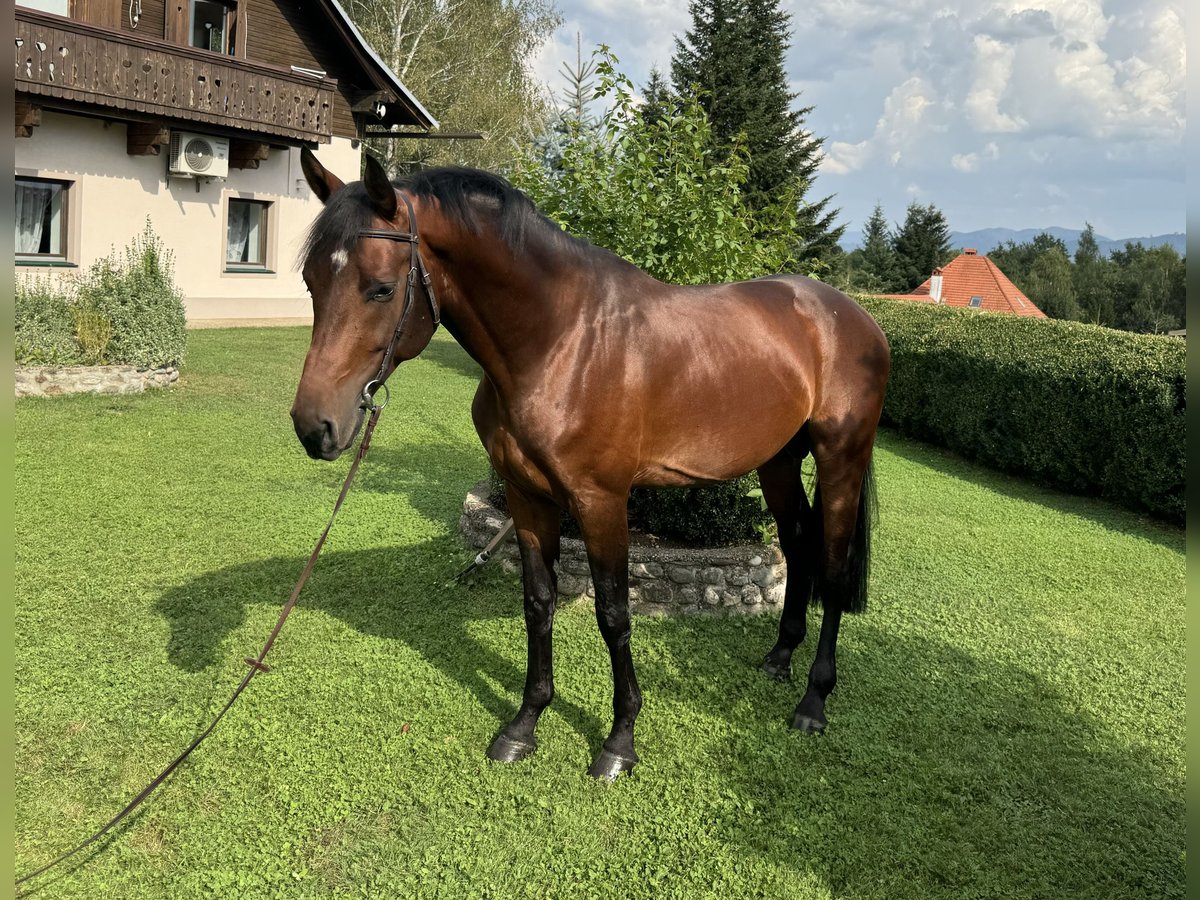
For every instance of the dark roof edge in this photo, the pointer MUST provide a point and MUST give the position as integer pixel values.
(385, 77)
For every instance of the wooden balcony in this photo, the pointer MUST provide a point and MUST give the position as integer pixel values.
(75, 65)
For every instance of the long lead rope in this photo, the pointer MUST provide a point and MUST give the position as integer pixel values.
(255, 663)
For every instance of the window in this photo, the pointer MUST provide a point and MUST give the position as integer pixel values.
(41, 220)
(214, 26)
(246, 239)
(976, 301)
(58, 7)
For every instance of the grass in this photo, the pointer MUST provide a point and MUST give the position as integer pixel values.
(1009, 721)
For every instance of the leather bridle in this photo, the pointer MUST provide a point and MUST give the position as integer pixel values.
(416, 268)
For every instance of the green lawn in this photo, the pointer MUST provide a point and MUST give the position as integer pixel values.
(1009, 720)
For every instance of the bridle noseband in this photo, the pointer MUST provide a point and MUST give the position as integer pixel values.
(417, 267)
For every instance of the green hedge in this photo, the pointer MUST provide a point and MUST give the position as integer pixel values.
(125, 309)
(1089, 409)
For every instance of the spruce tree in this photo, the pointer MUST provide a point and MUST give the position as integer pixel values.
(734, 55)
(921, 245)
(877, 262)
(1092, 281)
(658, 101)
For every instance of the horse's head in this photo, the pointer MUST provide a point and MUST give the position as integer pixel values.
(359, 284)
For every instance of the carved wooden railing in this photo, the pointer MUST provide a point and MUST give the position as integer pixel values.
(76, 63)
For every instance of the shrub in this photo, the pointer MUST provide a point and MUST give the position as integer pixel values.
(138, 296)
(93, 332)
(44, 333)
(123, 310)
(1079, 406)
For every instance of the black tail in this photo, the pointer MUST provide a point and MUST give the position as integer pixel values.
(852, 586)
(858, 567)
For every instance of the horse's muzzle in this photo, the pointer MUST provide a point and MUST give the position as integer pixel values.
(321, 437)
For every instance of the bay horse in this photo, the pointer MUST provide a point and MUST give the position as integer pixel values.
(598, 378)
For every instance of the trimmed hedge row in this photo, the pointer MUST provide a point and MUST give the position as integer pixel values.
(1086, 408)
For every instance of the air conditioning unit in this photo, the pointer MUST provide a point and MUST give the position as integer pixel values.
(199, 155)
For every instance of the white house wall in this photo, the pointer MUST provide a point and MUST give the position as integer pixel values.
(113, 193)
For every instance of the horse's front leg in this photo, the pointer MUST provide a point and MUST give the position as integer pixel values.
(537, 525)
(605, 527)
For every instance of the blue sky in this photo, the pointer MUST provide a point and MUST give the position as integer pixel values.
(1018, 113)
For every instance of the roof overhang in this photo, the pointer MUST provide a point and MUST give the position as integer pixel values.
(402, 108)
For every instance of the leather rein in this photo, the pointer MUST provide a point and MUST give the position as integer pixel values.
(256, 664)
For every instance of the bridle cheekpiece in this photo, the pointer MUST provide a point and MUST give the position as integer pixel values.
(416, 269)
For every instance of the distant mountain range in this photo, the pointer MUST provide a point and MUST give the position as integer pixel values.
(987, 239)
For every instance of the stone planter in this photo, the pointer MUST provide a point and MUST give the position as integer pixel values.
(663, 577)
(51, 381)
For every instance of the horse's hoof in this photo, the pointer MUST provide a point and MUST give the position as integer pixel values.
(608, 765)
(780, 672)
(506, 750)
(808, 724)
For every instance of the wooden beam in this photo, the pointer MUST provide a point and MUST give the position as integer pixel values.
(28, 118)
(146, 139)
(247, 154)
(427, 135)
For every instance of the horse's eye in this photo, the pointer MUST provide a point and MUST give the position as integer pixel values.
(382, 293)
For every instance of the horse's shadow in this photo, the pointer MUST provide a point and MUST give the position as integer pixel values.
(374, 591)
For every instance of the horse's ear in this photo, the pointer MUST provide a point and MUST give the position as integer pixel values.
(323, 182)
(379, 189)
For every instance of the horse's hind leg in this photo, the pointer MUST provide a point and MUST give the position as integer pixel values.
(843, 475)
(537, 526)
(799, 535)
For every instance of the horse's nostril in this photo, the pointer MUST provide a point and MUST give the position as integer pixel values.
(328, 435)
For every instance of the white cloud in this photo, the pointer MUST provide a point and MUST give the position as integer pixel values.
(902, 126)
(1074, 93)
(993, 68)
(969, 162)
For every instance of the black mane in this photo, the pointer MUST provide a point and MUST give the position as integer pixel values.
(467, 196)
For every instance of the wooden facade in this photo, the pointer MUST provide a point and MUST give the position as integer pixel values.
(87, 65)
(295, 72)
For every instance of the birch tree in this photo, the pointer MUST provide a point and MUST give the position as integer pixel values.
(469, 63)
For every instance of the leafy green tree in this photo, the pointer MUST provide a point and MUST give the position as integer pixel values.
(660, 193)
(1092, 277)
(733, 57)
(1017, 260)
(469, 63)
(1148, 288)
(1051, 286)
(921, 244)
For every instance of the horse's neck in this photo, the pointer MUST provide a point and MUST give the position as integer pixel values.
(509, 320)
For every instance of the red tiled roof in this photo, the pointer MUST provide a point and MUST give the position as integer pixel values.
(971, 275)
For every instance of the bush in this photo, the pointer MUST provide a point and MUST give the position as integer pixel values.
(138, 297)
(708, 516)
(121, 311)
(1086, 408)
(44, 332)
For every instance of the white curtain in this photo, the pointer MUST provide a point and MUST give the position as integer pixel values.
(32, 202)
(239, 231)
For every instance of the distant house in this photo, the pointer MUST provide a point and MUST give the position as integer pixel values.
(191, 112)
(975, 282)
